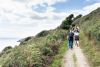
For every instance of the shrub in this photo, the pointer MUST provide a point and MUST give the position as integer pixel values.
(27, 39)
(26, 56)
(7, 48)
(42, 33)
(47, 51)
(37, 52)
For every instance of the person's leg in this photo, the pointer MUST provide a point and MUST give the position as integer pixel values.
(71, 44)
(77, 43)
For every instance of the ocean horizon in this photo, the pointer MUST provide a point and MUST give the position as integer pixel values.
(4, 42)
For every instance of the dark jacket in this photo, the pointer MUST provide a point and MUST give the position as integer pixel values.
(71, 36)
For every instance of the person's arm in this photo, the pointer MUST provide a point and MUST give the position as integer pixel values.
(78, 30)
(68, 36)
(74, 36)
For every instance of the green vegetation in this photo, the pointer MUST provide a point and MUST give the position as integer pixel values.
(57, 62)
(77, 17)
(42, 33)
(75, 59)
(90, 36)
(44, 50)
(91, 49)
(67, 22)
(35, 51)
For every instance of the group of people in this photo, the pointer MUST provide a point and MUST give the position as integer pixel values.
(73, 37)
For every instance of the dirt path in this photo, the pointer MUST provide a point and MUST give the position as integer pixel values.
(68, 59)
(75, 58)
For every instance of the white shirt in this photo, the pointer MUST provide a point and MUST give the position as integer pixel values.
(76, 33)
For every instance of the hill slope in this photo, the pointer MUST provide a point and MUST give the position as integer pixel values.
(36, 51)
(39, 51)
(90, 36)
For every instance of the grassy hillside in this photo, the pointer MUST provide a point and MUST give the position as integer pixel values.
(90, 36)
(46, 49)
(36, 51)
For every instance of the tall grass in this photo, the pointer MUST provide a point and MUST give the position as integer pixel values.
(57, 62)
(90, 36)
(35, 52)
(90, 48)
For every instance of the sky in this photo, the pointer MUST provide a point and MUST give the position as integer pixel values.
(22, 18)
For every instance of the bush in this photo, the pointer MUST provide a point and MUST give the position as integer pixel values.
(37, 52)
(77, 17)
(27, 39)
(7, 48)
(42, 33)
(47, 51)
(26, 56)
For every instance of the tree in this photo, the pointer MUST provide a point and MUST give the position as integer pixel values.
(67, 22)
(70, 17)
(79, 16)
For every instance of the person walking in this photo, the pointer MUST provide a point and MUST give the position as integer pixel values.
(76, 36)
(71, 39)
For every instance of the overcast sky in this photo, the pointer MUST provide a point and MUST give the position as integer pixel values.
(22, 18)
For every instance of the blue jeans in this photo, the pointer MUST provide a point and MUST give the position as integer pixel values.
(71, 44)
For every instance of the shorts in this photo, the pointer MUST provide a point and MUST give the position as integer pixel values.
(77, 38)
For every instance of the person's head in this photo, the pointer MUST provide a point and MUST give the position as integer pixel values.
(77, 31)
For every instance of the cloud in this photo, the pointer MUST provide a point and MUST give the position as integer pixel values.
(22, 18)
(19, 19)
(91, 7)
(85, 10)
(20, 10)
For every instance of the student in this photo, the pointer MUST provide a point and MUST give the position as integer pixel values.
(71, 39)
(76, 36)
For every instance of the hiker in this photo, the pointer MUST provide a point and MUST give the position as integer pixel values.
(71, 39)
(76, 36)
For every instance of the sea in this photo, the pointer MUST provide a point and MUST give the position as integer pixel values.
(4, 42)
